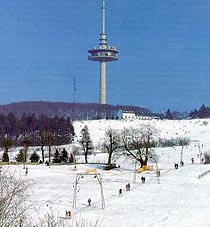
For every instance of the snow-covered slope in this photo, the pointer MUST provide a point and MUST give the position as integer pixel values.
(181, 199)
(196, 129)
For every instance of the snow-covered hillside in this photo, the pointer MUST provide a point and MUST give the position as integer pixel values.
(180, 199)
(196, 129)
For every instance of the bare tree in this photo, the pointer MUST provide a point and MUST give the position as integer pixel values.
(112, 143)
(86, 142)
(42, 140)
(13, 194)
(50, 138)
(136, 143)
(25, 145)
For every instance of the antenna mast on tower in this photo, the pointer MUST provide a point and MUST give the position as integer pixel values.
(75, 91)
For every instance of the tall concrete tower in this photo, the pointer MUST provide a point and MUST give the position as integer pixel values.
(104, 53)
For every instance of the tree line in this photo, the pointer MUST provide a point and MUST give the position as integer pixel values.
(33, 131)
(203, 112)
(76, 111)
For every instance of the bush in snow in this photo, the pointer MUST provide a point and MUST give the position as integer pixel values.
(34, 157)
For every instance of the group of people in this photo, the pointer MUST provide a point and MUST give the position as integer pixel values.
(128, 186)
(182, 163)
(68, 214)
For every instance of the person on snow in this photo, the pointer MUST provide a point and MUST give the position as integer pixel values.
(128, 187)
(143, 179)
(120, 192)
(26, 171)
(181, 163)
(89, 201)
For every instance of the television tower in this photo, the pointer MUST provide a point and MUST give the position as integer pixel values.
(104, 53)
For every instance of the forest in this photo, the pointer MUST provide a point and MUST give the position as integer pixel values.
(75, 111)
(32, 128)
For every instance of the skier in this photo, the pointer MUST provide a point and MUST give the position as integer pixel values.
(120, 192)
(89, 201)
(143, 179)
(192, 160)
(26, 171)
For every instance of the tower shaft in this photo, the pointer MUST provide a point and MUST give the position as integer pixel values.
(102, 98)
(103, 54)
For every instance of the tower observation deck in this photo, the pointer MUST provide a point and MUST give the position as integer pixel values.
(103, 54)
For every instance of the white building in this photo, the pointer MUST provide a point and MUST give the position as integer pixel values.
(130, 115)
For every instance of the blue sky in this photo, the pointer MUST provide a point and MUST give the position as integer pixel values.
(164, 52)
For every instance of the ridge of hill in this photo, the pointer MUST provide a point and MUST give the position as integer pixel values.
(76, 111)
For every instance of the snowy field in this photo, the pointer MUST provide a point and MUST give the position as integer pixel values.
(180, 199)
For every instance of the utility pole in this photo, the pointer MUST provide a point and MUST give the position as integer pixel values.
(134, 171)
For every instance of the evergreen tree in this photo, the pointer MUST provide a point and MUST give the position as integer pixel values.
(56, 157)
(86, 142)
(193, 114)
(20, 157)
(5, 157)
(34, 157)
(168, 115)
(64, 155)
(203, 112)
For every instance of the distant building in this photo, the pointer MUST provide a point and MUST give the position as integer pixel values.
(130, 115)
